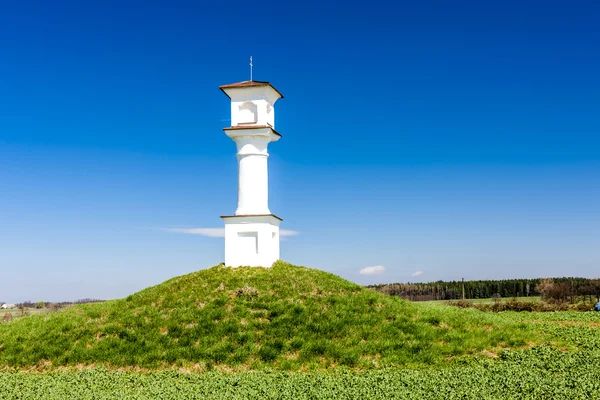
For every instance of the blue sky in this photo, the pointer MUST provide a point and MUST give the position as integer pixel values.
(437, 140)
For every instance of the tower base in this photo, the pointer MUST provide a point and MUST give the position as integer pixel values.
(251, 240)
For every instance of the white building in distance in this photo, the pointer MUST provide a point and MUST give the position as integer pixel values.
(252, 233)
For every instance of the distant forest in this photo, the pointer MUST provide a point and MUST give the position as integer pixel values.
(564, 288)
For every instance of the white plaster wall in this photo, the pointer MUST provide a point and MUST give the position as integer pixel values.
(263, 98)
(265, 113)
(251, 241)
(253, 185)
(253, 175)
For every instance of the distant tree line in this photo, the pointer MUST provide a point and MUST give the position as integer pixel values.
(569, 289)
(563, 289)
(55, 305)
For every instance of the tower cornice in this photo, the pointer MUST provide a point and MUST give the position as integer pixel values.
(239, 128)
(252, 216)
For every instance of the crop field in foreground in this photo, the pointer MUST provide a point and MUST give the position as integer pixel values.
(542, 372)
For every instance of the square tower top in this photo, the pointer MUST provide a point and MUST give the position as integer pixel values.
(252, 103)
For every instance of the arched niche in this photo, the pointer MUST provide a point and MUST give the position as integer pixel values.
(248, 113)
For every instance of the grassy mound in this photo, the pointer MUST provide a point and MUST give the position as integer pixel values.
(286, 318)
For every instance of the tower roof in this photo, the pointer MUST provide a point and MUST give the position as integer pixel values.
(245, 84)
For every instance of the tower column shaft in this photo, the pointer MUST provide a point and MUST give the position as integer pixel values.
(253, 184)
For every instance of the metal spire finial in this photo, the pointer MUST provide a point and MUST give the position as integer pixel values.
(251, 68)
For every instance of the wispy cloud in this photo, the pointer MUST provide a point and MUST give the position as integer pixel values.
(287, 232)
(375, 269)
(417, 273)
(210, 232)
(217, 232)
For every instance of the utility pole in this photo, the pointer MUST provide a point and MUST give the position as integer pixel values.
(463, 288)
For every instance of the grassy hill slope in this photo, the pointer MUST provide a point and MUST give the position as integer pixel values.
(286, 317)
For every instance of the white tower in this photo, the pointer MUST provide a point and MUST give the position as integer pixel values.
(252, 234)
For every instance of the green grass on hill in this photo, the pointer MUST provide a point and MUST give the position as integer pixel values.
(283, 318)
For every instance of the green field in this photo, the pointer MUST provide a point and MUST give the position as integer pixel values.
(295, 333)
(485, 301)
(16, 313)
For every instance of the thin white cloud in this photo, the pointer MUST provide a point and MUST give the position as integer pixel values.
(210, 232)
(417, 273)
(375, 269)
(217, 232)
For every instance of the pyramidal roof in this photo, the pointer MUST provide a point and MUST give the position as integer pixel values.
(247, 84)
